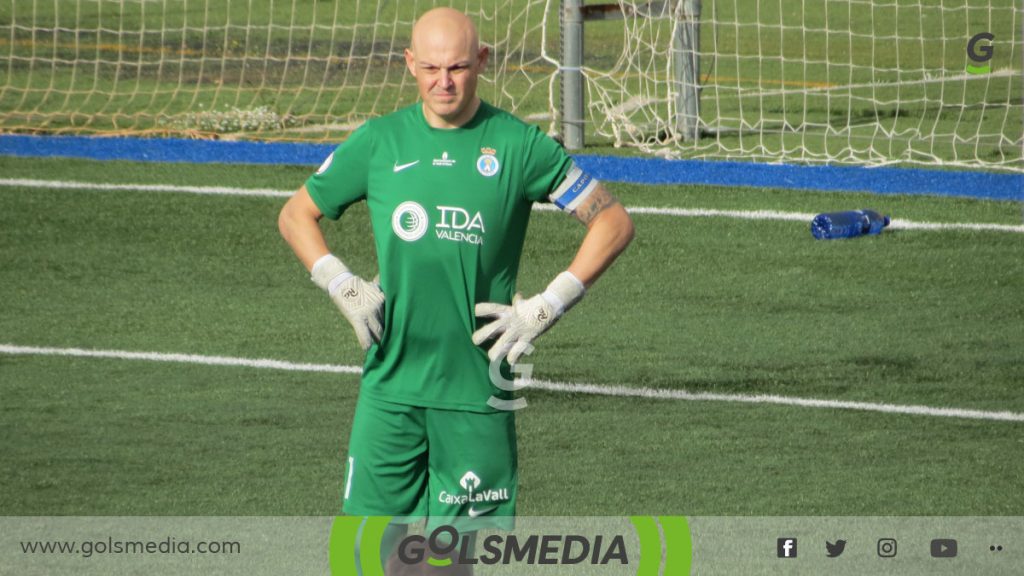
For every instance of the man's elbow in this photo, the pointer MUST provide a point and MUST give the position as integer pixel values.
(284, 221)
(292, 218)
(622, 223)
(628, 229)
(298, 212)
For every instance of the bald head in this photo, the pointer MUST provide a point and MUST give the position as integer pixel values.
(446, 58)
(445, 27)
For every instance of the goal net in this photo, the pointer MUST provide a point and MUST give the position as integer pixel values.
(812, 81)
(851, 81)
(268, 69)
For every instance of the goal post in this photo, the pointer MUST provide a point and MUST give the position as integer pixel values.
(686, 69)
(571, 73)
(683, 60)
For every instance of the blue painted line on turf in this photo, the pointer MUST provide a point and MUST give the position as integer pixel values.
(826, 178)
(165, 150)
(637, 170)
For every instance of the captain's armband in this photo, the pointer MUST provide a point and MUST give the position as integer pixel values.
(581, 195)
(573, 190)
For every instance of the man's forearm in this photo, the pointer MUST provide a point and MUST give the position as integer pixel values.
(607, 236)
(358, 300)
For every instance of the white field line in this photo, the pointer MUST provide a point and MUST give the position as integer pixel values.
(592, 389)
(897, 224)
(667, 394)
(1000, 73)
(179, 358)
(209, 190)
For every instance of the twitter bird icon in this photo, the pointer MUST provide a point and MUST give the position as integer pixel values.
(834, 550)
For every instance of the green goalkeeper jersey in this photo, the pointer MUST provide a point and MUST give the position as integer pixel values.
(449, 211)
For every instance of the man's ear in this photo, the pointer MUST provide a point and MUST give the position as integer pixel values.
(481, 61)
(410, 62)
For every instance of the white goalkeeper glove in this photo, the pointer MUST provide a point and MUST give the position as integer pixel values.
(360, 301)
(524, 320)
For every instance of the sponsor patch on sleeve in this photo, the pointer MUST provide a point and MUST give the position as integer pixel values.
(327, 164)
(574, 189)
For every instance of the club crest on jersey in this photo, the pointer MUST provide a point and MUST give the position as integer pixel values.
(409, 221)
(487, 164)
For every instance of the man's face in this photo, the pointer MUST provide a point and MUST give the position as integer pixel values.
(446, 67)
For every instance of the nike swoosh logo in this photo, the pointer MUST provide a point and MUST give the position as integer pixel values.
(399, 168)
(473, 512)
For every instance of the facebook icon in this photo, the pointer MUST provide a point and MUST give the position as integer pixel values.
(786, 547)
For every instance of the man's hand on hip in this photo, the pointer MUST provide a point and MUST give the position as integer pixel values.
(525, 319)
(361, 302)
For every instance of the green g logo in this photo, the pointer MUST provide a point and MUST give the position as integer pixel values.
(981, 55)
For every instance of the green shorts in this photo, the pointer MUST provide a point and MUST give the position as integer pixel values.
(451, 466)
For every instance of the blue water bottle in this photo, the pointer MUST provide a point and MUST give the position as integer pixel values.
(848, 224)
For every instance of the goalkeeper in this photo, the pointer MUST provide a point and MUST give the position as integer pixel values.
(449, 183)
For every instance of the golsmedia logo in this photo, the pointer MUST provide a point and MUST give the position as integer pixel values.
(980, 55)
(441, 546)
(642, 545)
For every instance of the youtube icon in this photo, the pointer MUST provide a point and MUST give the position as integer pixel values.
(943, 548)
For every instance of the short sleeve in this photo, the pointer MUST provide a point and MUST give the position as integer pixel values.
(342, 179)
(545, 165)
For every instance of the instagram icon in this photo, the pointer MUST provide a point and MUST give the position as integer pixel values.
(886, 547)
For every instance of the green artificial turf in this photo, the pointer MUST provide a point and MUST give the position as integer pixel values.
(718, 305)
